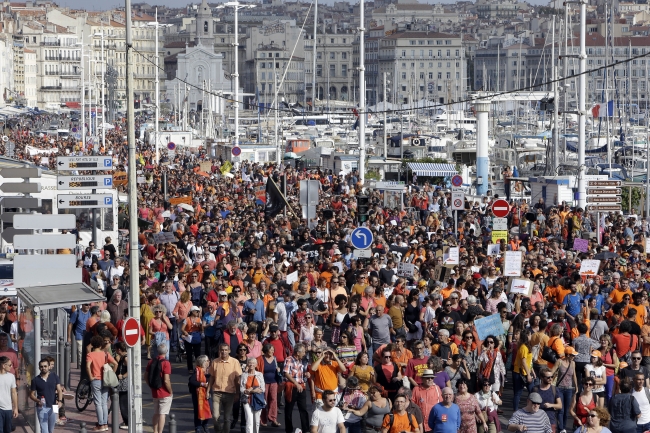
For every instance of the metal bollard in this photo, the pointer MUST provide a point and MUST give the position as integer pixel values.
(74, 352)
(66, 365)
(83, 428)
(115, 412)
(172, 423)
(60, 347)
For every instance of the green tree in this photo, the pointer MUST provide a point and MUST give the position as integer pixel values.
(625, 197)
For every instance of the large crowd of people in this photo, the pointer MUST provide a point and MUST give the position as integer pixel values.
(269, 311)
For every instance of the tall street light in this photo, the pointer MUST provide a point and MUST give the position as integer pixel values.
(236, 6)
(103, 59)
(157, 25)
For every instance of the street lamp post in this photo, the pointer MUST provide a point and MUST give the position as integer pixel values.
(103, 91)
(157, 25)
(236, 6)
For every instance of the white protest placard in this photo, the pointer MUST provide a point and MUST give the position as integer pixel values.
(589, 267)
(339, 265)
(493, 249)
(522, 286)
(451, 256)
(647, 245)
(512, 267)
(292, 277)
(405, 269)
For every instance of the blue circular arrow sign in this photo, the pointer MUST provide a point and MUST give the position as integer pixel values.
(361, 238)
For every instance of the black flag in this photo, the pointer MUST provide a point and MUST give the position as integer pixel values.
(274, 200)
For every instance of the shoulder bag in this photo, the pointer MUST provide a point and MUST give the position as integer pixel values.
(109, 378)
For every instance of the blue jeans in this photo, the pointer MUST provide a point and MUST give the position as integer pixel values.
(6, 417)
(640, 428)
(566, 395)
(609, 389)
(46, 419)
(100, 399)
(519, 382)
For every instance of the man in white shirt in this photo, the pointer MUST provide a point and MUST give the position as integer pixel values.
(327, 417)
(8, 395)
(641, 393)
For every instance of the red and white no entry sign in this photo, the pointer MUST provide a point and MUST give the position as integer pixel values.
(500, 208)
(131, 331)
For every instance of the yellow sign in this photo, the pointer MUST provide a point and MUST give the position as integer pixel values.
(120, 178)
(497, 235)
(226, 167)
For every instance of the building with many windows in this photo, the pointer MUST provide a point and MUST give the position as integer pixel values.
(423, 66)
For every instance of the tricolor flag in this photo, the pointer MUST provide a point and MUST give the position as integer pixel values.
(604, 109)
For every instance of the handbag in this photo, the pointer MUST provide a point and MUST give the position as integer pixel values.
(257, 401)
(123, 384)
(109, 378)
(195, 338)
(548, 354)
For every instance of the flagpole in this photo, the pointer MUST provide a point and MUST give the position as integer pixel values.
(282, 195)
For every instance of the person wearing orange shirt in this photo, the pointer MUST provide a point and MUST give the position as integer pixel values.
(402, 421)
(641, 312)
(325, 374)
(447, 291)
(617, 294)
(400, 354)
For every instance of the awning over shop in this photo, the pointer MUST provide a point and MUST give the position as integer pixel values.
(73, 105)
(46, 297)
(432, 169)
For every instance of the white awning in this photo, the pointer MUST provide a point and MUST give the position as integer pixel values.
(46, 297)
(432, 169)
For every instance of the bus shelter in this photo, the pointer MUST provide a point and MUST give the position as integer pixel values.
(43, 318)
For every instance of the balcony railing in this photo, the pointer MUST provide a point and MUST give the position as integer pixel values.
(51, 44)
(51, 87)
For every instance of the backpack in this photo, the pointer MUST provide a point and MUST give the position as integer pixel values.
(628, 355)
(391, 418)
(155, 374)
(444, 351)
(196, 296)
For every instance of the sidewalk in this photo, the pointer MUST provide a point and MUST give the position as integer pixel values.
(75, 418)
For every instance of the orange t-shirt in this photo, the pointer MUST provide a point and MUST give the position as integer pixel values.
(326, 377)
(98, 359)
(400, 423)
(640, 314)
(447, 291)
(617, 295)
(403, 358)
(561, 293)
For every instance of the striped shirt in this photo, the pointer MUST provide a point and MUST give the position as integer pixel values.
(535, 422)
